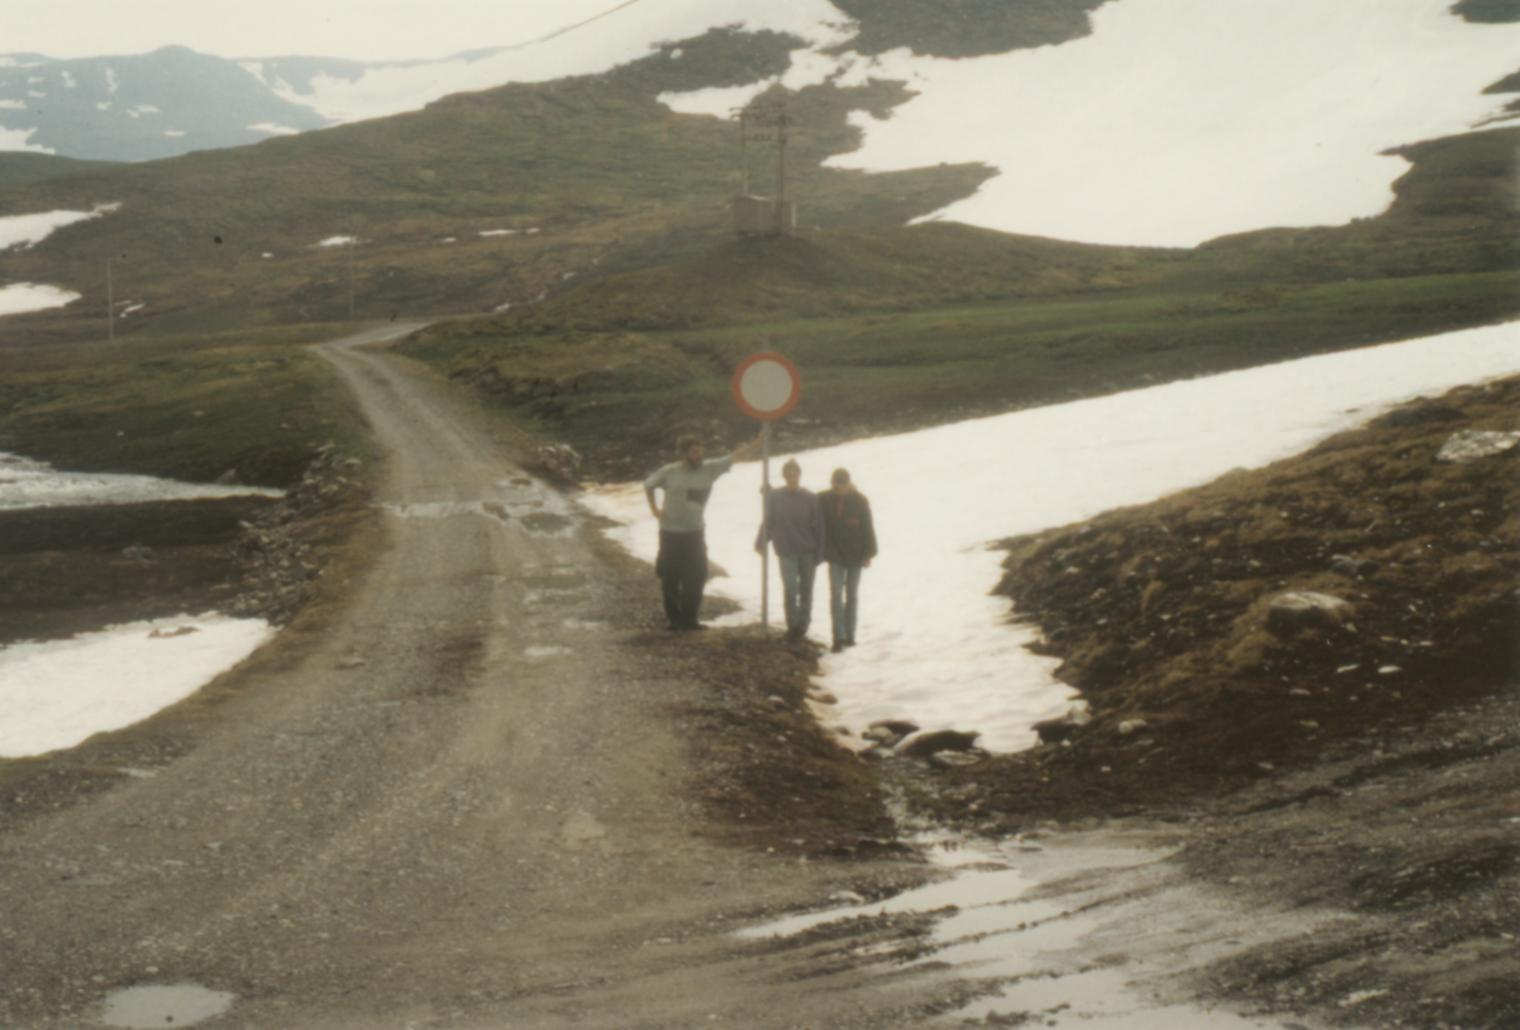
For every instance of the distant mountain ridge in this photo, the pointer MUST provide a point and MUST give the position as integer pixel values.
(141, 107)
(174, 100)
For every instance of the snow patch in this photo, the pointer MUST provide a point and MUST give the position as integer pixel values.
(25, 483)
(29, 230)
(58, 694)
(20, 298)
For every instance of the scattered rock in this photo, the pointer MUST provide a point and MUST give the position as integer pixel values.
(167, 634)
(1065, 726)
(557, 461)
(1297, 609)
(1347, 565)
(137, 552)
(1129, 726)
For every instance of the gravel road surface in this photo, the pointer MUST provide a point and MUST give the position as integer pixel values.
(458, 799)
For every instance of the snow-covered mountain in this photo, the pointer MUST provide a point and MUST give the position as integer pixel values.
(1138, 121)
(140, 107)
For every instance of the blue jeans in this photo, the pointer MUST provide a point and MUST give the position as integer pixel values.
(797, 572)
(844, 597)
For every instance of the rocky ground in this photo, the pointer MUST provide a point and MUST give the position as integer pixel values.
(1311, 670)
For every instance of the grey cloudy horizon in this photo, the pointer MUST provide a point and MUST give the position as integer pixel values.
(361, 30)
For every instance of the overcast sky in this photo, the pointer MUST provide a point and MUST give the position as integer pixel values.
(358, 29)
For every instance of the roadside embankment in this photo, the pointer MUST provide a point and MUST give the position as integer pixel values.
(1311, 671)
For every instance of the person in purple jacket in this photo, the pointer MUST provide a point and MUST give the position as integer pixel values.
(795, 522)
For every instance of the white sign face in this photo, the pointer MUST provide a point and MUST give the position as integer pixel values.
(767, 386)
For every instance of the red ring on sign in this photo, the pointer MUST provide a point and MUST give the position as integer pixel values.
(793, 396)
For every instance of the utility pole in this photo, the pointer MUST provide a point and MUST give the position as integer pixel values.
(781, 122)
(742, 114)
(111, 298)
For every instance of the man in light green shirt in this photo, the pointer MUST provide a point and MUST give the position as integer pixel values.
(682, 561)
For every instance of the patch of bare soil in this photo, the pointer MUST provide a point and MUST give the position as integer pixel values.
(1363, 754)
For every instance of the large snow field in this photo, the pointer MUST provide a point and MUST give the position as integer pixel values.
(935, 647)
(1177, 121)
(25, 483)
(55, 695)
(1174, 122)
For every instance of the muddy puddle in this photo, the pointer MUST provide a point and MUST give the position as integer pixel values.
(166, 1005)
(1093, 931)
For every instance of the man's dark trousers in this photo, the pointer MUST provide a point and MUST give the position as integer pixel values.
(682, 567)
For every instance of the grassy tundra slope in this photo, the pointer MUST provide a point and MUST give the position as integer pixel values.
(900, 327)
(574, 177)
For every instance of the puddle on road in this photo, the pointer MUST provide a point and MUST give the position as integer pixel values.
(1066, 936)
(547, 651)
(159, 1006)
(529, 514)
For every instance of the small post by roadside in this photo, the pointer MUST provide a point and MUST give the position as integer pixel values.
(766, 387)
(111, 299)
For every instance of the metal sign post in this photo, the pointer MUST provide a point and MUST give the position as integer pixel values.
(766, 386)
(765, 527)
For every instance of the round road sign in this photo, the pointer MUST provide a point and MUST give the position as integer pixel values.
(766, 386)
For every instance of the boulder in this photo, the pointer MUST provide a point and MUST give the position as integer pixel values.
(1301, 609)
(1475, 444)
(923, 745)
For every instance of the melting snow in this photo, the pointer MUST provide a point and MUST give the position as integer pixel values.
(1180, 120)
(55, 695)
(935, 647)
(29, 230)
(21, 298)
(21, 139)
(25, 483)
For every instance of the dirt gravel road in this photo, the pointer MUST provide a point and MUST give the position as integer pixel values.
(461, 800)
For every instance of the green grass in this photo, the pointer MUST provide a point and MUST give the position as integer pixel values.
(621, 396)
(184, 408)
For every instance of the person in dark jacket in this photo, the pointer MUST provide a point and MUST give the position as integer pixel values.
(795, 521)
(849, 544)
